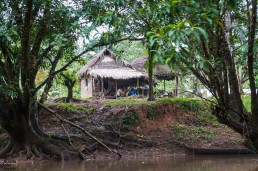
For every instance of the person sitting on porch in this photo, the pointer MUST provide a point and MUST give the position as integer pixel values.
(119, 92)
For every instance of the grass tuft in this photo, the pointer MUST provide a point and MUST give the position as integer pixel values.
(118, 102)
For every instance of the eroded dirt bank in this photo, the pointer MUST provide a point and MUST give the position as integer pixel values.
(140, 128)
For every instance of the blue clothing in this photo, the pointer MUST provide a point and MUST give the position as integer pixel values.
(133, 92)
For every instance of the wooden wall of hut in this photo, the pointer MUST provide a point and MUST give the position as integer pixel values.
(96, 90)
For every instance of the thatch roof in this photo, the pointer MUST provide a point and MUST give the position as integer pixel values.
(105, 65)
(117, 73)
(161, 72)
(139, 63)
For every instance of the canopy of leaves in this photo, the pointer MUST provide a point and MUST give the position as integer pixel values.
(37, 36)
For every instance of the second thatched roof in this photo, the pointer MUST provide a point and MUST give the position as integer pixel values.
(161, 72)
(105, 65)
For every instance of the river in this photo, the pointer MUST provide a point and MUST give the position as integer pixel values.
(172, 163)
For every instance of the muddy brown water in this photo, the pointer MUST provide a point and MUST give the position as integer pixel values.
(172, 163)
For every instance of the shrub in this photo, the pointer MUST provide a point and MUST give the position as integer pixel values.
(152, 112)
(183, 133)
(68, 107)
(187, 103)
(130, 118)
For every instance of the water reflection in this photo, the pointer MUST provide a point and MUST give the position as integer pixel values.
(175, 163)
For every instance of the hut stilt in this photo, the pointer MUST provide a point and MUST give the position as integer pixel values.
(116, 89)
(164, 86)
(102, 88)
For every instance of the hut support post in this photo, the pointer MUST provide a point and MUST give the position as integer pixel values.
(176, 90)
(92, 87)
(164, 86)
(102, 88)
(116, 89)
(137, 86)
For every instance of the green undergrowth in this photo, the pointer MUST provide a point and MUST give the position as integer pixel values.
(183, 133)
(203, 109)
(186, 103)
(72, 108)
(118, 102)
(205, 117)
(152, 112)
(129, 119)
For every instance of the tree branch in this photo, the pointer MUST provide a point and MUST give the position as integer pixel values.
(25, 46)
(43, 55)
(40, 35)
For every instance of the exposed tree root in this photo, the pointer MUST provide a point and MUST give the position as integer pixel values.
(68, 135)
(6, 149)
(36, 152)
(30, 142)
(38, 148)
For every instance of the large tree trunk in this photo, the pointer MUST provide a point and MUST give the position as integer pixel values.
(69, 84)
(150, 73)
(24, 138)
(250, 60)
(70, 93)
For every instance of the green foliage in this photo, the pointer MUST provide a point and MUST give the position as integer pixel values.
(152, 112)
(182, 133)
(175, 99)
(130, 118)
(117, 102)
(72, 108)
(129, 50)
(68, 76)
(170, 85)
(203, 133)
(187, 103)
(192, 105)
(205, 117)
(89, 111)
(48, 44)
(68, 107)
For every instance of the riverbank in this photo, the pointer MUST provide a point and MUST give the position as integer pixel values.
(137, 128)
(140, 128)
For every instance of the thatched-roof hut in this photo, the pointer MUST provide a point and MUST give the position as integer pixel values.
(160, 72)
(104, 74)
